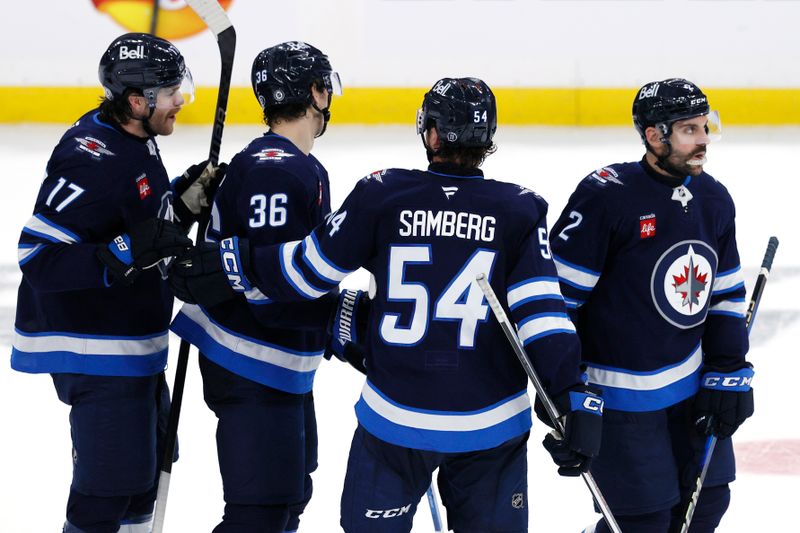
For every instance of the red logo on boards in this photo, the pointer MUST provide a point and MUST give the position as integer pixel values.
(143, 186)
(647, 226)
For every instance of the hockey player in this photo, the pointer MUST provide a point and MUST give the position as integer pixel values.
(258, 362)
(647, 260)
(93, 306)
(443, 388)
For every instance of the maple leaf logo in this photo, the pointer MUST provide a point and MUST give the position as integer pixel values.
(690, 284)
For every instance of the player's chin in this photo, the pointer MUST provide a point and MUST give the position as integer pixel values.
(167, 126)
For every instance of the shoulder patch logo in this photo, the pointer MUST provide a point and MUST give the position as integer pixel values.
(94, 147)
(681, 283)
(647, 226)
(272, 154)
(377, 175)
(449, 191)
(606, 174)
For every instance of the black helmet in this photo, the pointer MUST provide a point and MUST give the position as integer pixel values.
(662, 103)
(143, 62)
(463, 110)
(283, 74)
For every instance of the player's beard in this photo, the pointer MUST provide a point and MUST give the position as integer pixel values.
(163, 121)
(682, 164)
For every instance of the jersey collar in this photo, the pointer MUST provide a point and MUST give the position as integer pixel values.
(454, 171)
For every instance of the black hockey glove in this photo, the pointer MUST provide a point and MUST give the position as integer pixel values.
(211, 273)
(582, 413)
(724, 401)
(143, 247)
(347, 328)
(195, 189)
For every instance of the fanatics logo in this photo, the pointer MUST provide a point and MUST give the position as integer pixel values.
(449, 191)
(647, 226)
(272, 154)
(143, 187)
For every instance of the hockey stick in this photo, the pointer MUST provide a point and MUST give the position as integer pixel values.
(549, 406)
(217, 21)
(434, 505)
(154, 18)
(711, 442)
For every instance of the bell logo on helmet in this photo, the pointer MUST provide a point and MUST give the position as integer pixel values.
(441, 88)
(452, 137)
(648, 91)
(278, 95)
(136, 53)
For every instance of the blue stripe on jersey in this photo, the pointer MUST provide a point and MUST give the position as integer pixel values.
(40, 226)
(318, 262)
(628, 390)
(575, 275)
(26, 252)
(735, 307)
(443, 431)
(293, 275)
(728, 281)
(269, 364)
(543, 324)
(532, 289)
(100, 355)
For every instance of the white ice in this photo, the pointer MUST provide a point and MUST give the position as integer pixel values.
(759, 167)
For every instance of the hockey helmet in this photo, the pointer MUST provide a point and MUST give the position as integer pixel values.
(662, 103)
(145, 63)
(463, 110)
(284, 73)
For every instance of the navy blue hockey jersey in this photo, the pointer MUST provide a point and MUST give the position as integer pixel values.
(440, 373)
(100, 182)
(652, 275)
(272, 193)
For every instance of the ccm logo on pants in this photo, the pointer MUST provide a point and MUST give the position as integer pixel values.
(388, 513)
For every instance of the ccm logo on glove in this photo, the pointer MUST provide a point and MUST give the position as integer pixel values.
(740, 380)
(229, 252)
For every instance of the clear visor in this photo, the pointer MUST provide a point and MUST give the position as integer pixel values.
(697, 130)
(333, 83)
(174, 96)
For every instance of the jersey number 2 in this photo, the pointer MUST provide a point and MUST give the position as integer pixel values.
(462, 300)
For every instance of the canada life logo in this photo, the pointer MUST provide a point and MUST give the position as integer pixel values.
(176, 20)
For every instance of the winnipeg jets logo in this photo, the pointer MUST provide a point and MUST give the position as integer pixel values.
(681, 283)
(272, 154)
(449, 191)
(690, 284)
(92, 146)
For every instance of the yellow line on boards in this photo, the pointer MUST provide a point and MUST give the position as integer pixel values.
(398, 105)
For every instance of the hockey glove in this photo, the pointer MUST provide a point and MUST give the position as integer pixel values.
(211, 273)
(143, 247)
(724, 401)
(582, 413)
(195, 189)
(347, 327)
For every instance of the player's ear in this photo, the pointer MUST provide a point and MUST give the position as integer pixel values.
(138, 104)
(653, 136)
(433, 138)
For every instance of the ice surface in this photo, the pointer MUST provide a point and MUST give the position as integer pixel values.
(758, 166)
